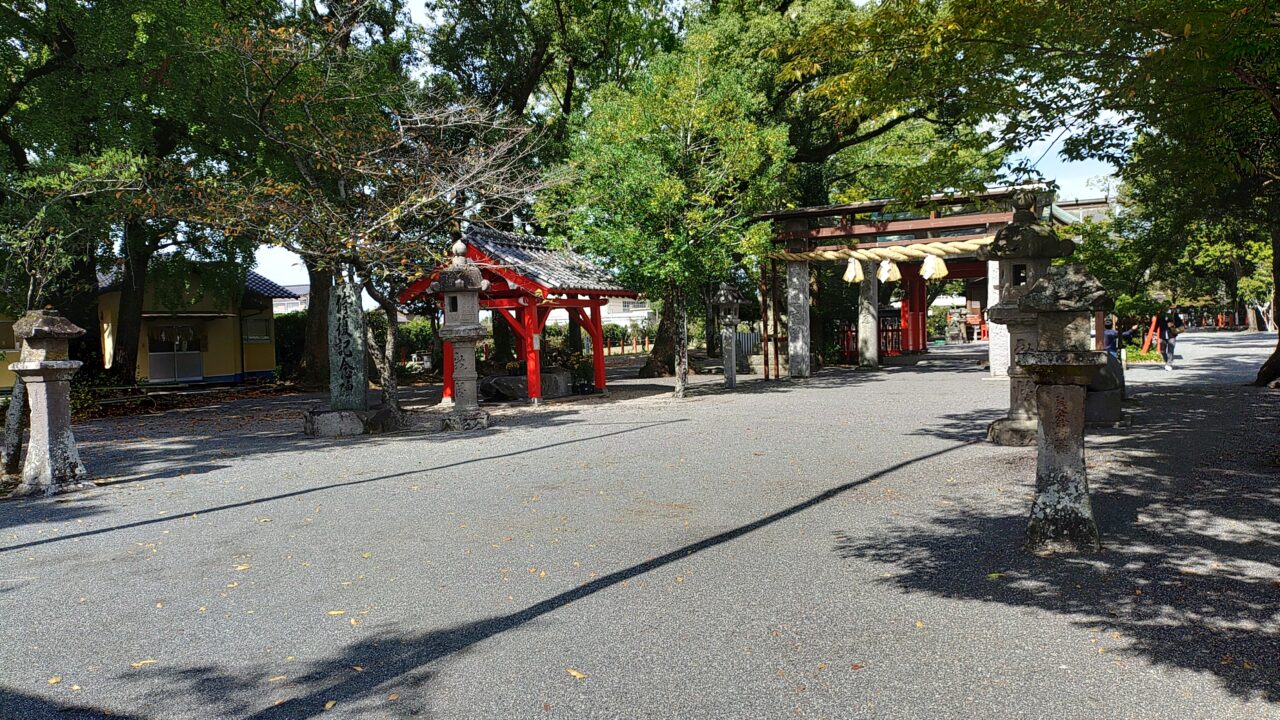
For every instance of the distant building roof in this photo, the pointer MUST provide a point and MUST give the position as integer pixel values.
(258, 284)
(299, 290)
(110, 280)
(557, 269)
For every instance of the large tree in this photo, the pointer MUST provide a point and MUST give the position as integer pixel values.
(1203, 78)
(380, 171)
(668, 175)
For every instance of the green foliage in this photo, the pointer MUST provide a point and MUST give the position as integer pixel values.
(416, 336)
(291, 334)
(669, 173)
(1135, 355)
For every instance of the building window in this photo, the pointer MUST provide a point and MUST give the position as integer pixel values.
(255, 330)
(7, 341)
(634, 305)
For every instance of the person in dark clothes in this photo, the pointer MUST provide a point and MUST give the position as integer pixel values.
(1112, 338)
(1168, 328)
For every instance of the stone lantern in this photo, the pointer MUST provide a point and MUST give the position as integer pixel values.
(1064, 301)
(727, 299)
(1024, 249)
(53, 464)
(460, 285)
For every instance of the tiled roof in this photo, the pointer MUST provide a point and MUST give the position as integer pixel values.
(559, 270)
(253, 282)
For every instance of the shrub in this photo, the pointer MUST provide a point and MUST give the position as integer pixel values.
(291, 338)
(416, 336)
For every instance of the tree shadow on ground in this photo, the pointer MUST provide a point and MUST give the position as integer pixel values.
(395, 660)
(43, 507)
(1189, 510)
(15, 704)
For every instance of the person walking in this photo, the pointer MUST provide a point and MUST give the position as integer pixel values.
(1169, 327)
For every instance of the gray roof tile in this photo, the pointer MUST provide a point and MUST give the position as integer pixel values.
(560, 270)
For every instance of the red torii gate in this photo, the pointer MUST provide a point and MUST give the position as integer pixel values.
(527, 280)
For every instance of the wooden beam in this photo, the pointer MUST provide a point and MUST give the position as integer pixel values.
(900, 243)
(892, 227)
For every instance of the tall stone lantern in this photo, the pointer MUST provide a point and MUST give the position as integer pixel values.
(727, 300)
(53, 463)
(460, 284)
(1024, 249)
(1064, 301)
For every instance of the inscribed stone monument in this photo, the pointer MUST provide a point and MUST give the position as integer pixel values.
(348, 373)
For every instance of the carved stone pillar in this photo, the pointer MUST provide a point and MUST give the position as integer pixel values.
(1024, 249)
(869, 317)
(461, 284)
(52, 465)
(1061, 367)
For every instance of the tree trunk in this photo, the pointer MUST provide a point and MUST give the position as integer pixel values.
(711, 323)
(662, 358)
(682, 346)
(1270, 370)
(11, 450)
(315, 347)
(385, 358)
(80, 305)
(574, 338)
(140, 244)
(504, 340)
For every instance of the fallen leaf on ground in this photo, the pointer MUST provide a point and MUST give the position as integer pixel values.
(919, 624)
(366, 556)
(55, 680)
(577, 675)
(856, 666)
(243, 566)
(143, 663)
(329, 705)
(337, 612)
(994, 576)
(277, 678)
(393, 697)
(822, 666)
(357, 668)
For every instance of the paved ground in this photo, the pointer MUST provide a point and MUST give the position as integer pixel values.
(844, 547)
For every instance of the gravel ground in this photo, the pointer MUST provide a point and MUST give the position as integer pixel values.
(842, 547)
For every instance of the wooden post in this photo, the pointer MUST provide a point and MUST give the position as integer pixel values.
(764, 323)
(773, 302)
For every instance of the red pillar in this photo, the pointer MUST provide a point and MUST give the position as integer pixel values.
(595, 326)
(448, 370)
(906, 319)
(913, 314)
(532, 354)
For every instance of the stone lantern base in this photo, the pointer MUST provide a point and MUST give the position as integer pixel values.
(322, 422)
(461, 421)
(52, 465)
(1012, 433)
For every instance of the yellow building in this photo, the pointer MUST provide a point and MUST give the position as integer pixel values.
(208, 341)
